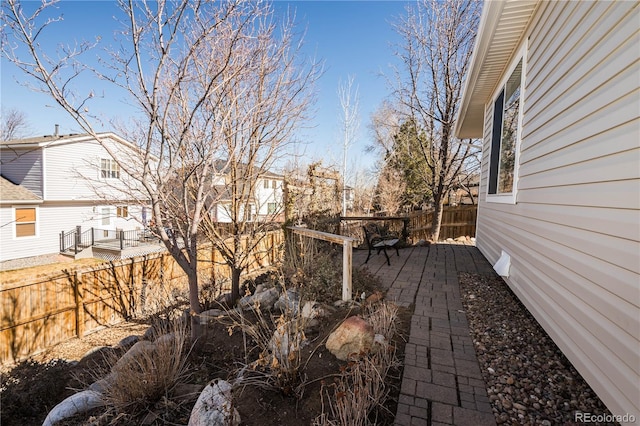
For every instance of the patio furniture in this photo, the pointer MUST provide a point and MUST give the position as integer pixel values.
(379, 240)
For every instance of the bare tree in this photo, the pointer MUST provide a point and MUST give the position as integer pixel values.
(390, 190)
(13, 124)
(437, 45)
(349, 124)
(211, 81)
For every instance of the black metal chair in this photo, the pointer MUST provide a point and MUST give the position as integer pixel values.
(379, 241)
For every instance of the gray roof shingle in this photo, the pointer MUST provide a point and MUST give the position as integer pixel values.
(9, 191)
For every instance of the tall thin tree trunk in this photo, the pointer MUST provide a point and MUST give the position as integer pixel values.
(436, 222)
(194, 305)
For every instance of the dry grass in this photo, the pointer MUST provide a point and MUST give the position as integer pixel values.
(278, 339)
(147, 373)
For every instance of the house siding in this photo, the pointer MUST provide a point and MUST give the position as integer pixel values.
(56, 217)
(573, 234)
(73, 172)
(23, 167)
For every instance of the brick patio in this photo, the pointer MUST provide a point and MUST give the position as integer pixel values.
(441, 383)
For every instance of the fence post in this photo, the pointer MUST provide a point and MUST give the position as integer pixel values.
(93, 237)
(62, 241)
(121, 236)
(347, 259)
(78, 290)
(77, 239)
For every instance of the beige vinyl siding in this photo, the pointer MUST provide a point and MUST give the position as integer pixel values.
(574, 232)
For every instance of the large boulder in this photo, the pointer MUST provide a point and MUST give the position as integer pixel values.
(353, 337)
(214, 406)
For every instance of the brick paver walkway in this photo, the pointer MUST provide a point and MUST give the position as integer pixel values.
(441, 383)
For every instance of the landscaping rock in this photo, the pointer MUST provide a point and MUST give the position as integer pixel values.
(312, 310)
(263, 300)
(128, 342)
(289, 302)
(139, 349)
(77, 403)
(286, 340)
(352, 337)
(214, 406)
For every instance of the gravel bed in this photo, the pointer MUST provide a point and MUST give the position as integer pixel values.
(529, 381)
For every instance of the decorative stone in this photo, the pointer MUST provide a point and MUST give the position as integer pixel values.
(286, 340)
(289, 302)
(263, 300)
(128, 342)
(214, 406)
(352, 337)
(80, 402)
(137, 350)
(312, 310)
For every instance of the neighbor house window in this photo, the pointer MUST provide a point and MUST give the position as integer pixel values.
(272, 208)
(266, 184)
(109, 169)
(25, 220)
(507, 119)
(122, 211)
(106, 216)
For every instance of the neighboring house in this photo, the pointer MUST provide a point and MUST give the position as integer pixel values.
(54, 184)
(265, 203)
(553, 90)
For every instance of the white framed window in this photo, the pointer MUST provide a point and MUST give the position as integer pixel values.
(26, 221)
(122, 211)
(266, 184)
(109, 169)
(106, 216)
(506, 135)
(272, 208)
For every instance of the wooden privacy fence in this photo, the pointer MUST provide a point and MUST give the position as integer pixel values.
(457, 221)
(46, 310)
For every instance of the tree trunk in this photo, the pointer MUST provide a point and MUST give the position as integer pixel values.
(194, 305)
(437, 219)
(235, 283)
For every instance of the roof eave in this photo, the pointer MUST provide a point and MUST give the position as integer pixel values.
(482, 79)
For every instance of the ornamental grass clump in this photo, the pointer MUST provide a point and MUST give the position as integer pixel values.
(149, 371)
(278, 340)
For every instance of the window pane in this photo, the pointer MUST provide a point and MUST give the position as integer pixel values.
(509, 131)
(25, 229)
(25, 215)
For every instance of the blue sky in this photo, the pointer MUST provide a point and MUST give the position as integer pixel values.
(351, 38)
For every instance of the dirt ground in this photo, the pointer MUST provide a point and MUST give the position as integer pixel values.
(31, 389)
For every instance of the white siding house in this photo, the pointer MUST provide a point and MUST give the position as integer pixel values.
(554, 92)
(68, 181)
(266, 202)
